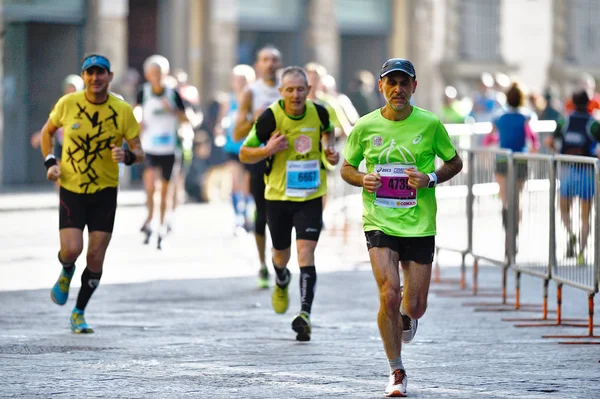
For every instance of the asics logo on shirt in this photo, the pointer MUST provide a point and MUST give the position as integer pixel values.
(417, 139)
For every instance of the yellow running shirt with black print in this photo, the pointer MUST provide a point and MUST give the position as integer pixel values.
(297, 173)
(89, 129)
(388, 148)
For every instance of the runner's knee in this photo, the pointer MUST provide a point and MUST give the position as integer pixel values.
(415, 309)
(390, 297)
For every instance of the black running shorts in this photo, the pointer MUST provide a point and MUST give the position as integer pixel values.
(96, 211)
(257, 189)
(416, 249)
(306, 217)
(163, 162)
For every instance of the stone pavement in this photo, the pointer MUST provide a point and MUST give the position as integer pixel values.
(188, 322)
(219, 338)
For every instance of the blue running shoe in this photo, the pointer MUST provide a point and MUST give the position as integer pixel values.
(60, 291)
(78, 324)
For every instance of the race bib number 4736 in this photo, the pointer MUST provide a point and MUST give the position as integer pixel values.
(395, 191)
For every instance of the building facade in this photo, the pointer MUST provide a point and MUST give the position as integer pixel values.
(451, 42)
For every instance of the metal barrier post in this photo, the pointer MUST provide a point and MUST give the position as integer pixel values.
(594, 288)
(534, 269)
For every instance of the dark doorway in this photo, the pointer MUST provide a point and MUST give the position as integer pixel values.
(142, 32)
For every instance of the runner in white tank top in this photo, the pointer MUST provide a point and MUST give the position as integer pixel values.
(162, 111)
(258, 97)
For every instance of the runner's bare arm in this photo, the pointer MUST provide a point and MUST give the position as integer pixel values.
(351, 175)
(136, 147)
(47, 138)
(277, 142)
(243, 123)
(449, 169)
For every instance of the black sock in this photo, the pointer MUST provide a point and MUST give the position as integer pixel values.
(89, 283)
(67, 266)
(308, 284)
(283, 274)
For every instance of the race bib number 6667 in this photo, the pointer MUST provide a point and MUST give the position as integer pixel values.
(395, 191)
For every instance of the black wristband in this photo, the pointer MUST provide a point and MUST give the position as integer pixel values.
(50, 162)
(129, 157)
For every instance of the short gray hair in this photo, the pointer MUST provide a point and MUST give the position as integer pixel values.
(294, 70)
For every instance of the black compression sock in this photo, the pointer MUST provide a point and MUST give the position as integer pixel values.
(283, 275)
(89, 283)
(308, 284)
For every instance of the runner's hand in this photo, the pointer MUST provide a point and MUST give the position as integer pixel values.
(277, 143)
(118, 153)
(371, 182)
(416, 179)
(333, 157)
(53, 173)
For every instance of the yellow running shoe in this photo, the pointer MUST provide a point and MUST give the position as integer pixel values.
(78, 323)
(280, 299)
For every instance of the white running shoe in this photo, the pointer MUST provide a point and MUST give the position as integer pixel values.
(396, 387)
(409, 328)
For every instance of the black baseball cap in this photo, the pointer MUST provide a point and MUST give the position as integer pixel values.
(398, 64)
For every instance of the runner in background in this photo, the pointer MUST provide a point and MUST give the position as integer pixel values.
(241, 77)
(253, 102)
(162, 110)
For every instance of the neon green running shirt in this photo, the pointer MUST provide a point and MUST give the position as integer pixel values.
(388, 148)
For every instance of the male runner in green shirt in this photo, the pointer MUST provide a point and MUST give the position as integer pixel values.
(291, 135)
(399, 143)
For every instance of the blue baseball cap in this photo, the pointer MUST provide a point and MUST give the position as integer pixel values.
(398, 64)
(95, 61)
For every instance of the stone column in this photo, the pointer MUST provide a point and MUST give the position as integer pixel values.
(197, 44)
(421, 54)
(173, 34)
(221, 55)
(322, 36)
(556, 72)
(106, 32)
(398, 38)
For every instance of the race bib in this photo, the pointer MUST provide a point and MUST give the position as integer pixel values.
(303, 178)
(163, 139)
(395, 191)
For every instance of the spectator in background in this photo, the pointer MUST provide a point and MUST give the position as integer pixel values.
(451, 108)
(329, 87)
(579, 135)
(71, 84)
(362, 92)
(513, 133)
(587, 83)
(551, 106)
(486, 103)
(337, 116)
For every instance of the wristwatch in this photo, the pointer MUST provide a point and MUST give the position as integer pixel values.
(432, 180)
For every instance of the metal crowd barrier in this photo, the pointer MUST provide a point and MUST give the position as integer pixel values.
(533, 180)
(453, 229)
